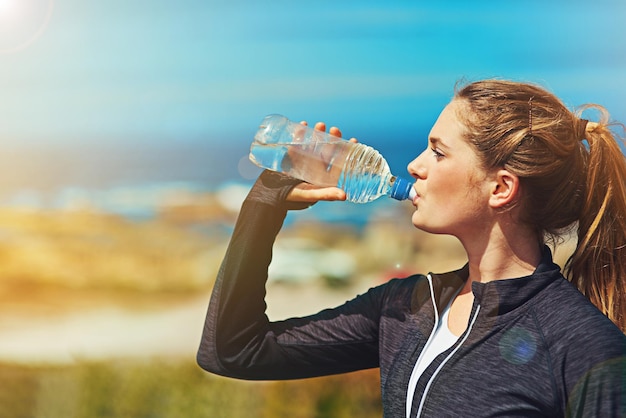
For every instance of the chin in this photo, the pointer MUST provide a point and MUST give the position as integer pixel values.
(419, 223)
(426, 227)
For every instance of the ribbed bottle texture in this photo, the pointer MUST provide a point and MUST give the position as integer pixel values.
(325, 160)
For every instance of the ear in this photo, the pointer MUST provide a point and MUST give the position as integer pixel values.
(504, 189)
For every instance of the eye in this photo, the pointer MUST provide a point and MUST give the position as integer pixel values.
(438, 155)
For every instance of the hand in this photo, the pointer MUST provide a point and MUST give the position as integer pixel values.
(305, 192)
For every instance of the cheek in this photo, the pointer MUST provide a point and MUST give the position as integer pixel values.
(453, 196)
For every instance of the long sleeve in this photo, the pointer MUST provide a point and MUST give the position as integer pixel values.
(595, 372)
(239, 340)
(601, 392)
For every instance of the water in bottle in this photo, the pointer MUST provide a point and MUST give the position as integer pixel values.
(325, 160)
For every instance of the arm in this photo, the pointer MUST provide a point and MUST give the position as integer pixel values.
(601, 390)
(239, 340)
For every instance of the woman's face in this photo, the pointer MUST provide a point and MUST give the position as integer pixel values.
(452, 188)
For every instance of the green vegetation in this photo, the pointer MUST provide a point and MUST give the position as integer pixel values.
(168, 389)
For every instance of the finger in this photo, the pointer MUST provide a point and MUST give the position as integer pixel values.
(334, 131)
(305, 192)
(354, 140)
(304, 123)
(320, 126)
(325, 194)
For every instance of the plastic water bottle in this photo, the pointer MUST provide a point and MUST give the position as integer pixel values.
(326, 160)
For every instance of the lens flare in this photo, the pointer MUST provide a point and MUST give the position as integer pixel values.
(7, 7)
(22, 22)
(518, 346)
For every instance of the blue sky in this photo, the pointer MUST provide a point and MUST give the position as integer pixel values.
(165, 72)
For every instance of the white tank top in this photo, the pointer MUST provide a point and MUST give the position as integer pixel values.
(441, 341)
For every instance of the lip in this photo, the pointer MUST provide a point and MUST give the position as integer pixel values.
(416, 198)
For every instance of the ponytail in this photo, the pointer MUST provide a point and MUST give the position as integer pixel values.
(598, 264)
(572, 172)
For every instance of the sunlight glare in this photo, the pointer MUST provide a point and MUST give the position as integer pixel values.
(7, 8)
(22, 22)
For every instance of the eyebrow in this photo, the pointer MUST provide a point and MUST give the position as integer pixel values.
(437, 141)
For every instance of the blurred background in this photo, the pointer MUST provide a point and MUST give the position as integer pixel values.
(124, 131)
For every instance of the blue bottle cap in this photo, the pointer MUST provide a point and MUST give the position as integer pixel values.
(401, 189)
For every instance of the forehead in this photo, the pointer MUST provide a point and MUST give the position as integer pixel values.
(448, 127)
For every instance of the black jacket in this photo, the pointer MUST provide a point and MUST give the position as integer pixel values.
(535, 346)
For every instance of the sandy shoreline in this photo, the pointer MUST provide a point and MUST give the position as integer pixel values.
(120, 330)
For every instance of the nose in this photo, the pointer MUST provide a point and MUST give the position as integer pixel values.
(416, 168)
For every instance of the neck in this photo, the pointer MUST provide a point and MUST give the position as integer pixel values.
(502, 254)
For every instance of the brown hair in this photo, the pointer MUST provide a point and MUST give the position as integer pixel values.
(572, 175)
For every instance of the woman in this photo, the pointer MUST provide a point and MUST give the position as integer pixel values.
(507, 168)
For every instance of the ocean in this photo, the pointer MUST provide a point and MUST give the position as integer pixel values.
(132, 179)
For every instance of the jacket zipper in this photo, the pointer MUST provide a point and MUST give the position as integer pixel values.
(414, 377)
(443, 363)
